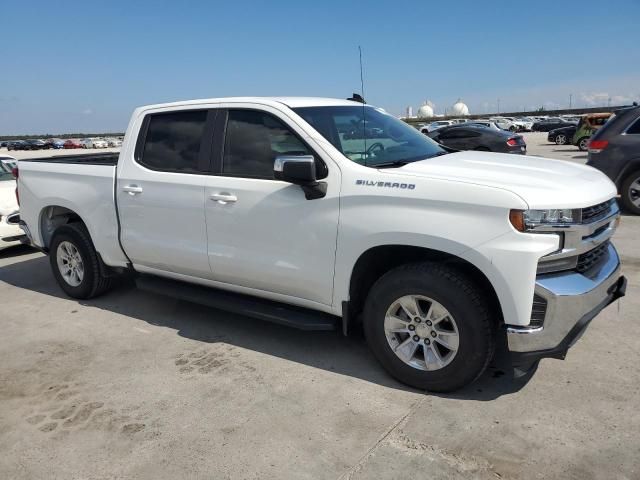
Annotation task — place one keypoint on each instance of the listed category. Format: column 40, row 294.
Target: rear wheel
column 583, row 144
column 75, row 262
column 630, row 193
column 429, row 327
column 561, row 139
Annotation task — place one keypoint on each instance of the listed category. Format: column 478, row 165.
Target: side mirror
column 296, row 169
column 300, row 170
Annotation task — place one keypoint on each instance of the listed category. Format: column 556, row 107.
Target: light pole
column 498, row 106
column 570, row 100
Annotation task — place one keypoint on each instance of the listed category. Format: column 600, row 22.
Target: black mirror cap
column 298, row 169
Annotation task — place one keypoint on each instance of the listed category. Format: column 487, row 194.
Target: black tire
column 627, row 193
column 455, row 292
column 93, row 282
column 583, row 144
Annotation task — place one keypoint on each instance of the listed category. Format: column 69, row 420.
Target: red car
column 72, row 144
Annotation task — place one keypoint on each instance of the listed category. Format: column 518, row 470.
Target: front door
column 264, row 234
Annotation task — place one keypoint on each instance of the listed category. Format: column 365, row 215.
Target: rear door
column 160, row 193
column 263, row 234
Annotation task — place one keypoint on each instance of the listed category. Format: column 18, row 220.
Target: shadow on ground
column 325, row 350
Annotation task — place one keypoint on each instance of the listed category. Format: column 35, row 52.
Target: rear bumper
column 573, row 300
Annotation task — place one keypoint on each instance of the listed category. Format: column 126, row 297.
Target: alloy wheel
column 421, row 332
column 70, row 263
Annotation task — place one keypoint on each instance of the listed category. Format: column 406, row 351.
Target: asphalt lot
column 135, row 385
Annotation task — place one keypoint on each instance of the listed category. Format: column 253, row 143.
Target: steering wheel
column 375, row 146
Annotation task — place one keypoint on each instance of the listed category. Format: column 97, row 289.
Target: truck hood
column 8, row 203
column 540, row 182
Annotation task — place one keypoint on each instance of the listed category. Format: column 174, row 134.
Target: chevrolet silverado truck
column 263, row 207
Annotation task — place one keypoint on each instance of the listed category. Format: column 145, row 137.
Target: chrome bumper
column 573, row 300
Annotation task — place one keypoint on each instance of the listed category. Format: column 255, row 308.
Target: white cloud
column 603, row 98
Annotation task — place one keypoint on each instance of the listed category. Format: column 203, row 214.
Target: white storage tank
column 459, row 109
column 425, row 111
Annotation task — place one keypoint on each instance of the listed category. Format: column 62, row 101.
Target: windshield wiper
column 396, row 163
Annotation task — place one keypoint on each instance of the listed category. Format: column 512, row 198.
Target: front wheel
column 429, row 326
column 583, row 144
column 630, row 193
column 75, row 262
column 561, row 139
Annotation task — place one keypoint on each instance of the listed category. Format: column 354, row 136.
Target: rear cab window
column 172, row 141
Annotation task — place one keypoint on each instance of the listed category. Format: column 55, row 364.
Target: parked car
column 549, row 124
column 115, row 142
column 436, row 125
column 587, row 126
column 439, row 254
column 3, row 143
column 10, row 232
column 476, row 137
column 54, row 143
column 86, row 143
column 34, row 145
column 615, row 150
column 72, row 143
column 8, row 161
column 16, row 145
column 524, row 123
column 562, row 135
column 504, row 123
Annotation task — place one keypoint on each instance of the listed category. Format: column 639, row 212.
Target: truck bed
column 110, row 159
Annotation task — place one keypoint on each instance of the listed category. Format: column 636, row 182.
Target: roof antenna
column 364, row 115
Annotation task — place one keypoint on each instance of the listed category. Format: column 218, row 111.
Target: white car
column 275, row 214
column 436, row 125
column 504, row 123
column 10, row 232
column 93, row 143
column 115, row 142
column 8, row 161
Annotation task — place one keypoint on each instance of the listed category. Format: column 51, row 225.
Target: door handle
column 223, row 198
column 132, row 189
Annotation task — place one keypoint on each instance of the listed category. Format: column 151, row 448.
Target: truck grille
column 596, row 212
column 593, row 257
column 538, row 311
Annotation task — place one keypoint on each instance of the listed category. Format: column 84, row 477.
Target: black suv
column 615, row 150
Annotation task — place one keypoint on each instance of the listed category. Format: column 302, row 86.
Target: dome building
column 425, row 111
column 460, row 109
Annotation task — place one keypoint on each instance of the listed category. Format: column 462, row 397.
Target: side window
column 634, row 128
column 253, row 140
column 173, row 140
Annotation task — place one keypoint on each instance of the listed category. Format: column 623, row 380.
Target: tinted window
column 173, row 141
column 253, row 141
column 635, row 128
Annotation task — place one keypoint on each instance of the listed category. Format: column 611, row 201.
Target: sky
column 83, row 66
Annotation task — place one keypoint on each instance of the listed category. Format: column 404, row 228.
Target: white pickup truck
column 262, row 206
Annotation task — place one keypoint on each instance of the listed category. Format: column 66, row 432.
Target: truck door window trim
column 204, row 154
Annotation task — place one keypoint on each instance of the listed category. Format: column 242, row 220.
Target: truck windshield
column 369, row 136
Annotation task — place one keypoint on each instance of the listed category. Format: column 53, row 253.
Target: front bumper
column 573, row 300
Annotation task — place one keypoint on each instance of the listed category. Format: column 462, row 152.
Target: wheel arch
column 378, row 260
column 630, row 167
column 53, row 217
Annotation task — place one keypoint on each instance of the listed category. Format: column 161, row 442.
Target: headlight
column 524, row 220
